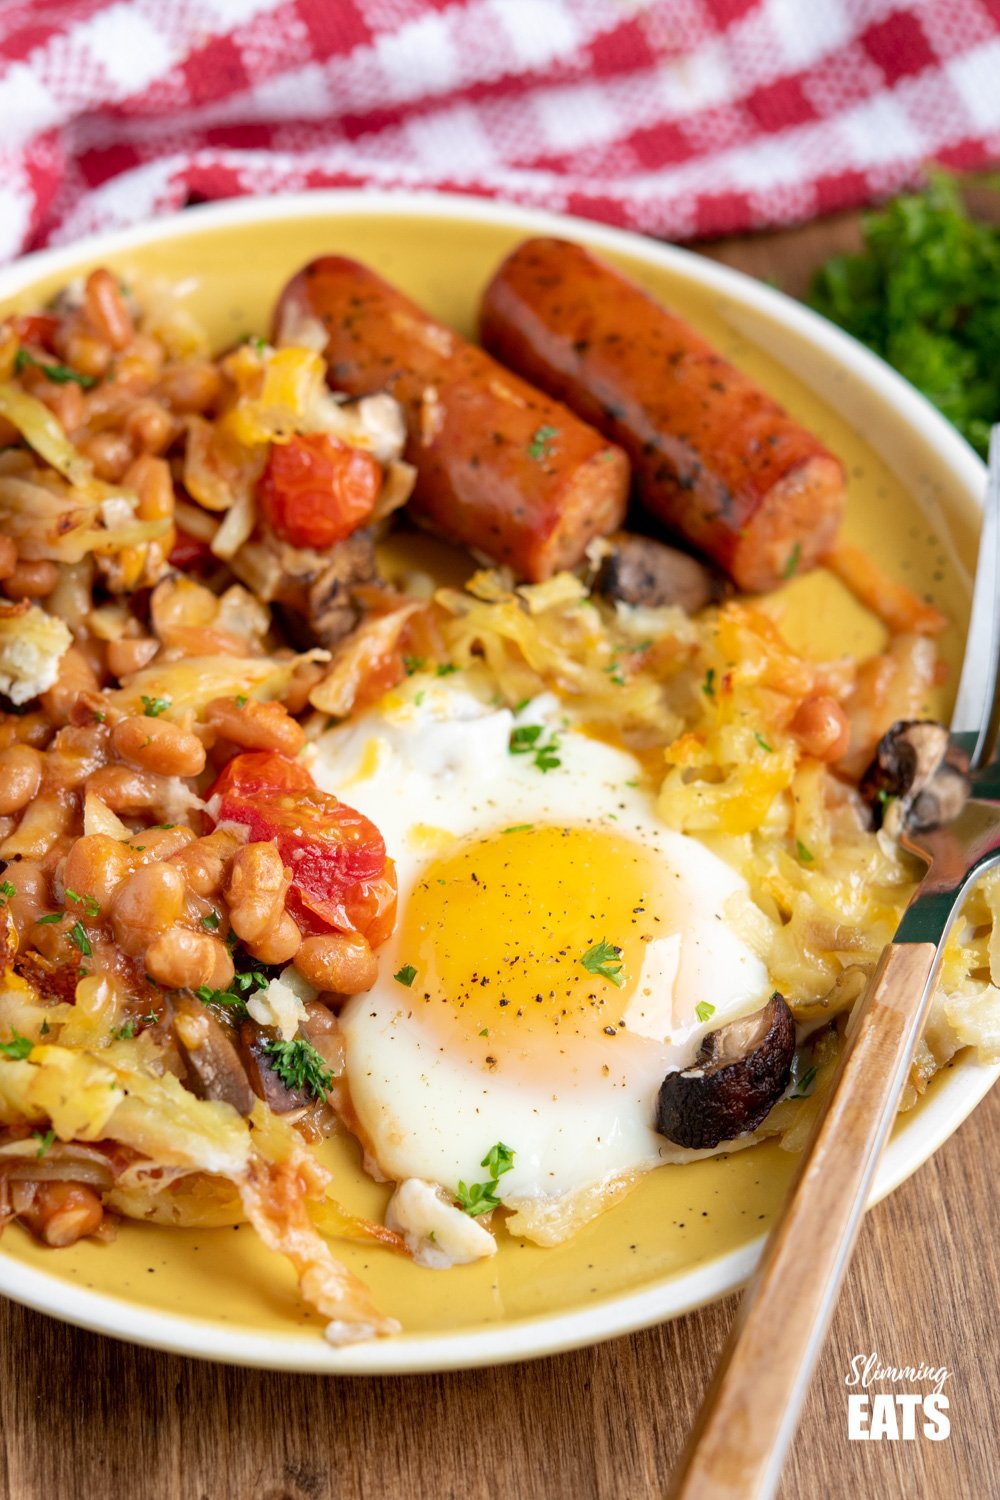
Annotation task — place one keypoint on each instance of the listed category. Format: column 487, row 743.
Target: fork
column 751, row 1409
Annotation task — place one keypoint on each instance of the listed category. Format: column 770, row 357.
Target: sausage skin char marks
column 714, row 457
column 501, row 468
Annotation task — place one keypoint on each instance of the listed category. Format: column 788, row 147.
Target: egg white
column 431, row 766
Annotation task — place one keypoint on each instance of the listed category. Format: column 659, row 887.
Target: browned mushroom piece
column 739, row 1074
column 331, row 610
column 214, row 1067
column 917, row 780
column 314, row 596
column 264, row 1079
column 639, row 570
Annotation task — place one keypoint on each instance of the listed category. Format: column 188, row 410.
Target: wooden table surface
column 86, row 1417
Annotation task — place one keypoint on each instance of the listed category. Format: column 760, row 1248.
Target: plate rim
column 543, row 1334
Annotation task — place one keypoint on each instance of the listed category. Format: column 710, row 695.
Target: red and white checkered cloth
column 681, row 118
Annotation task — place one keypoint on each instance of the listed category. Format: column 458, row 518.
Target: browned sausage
column 501, row 468
column 714, row 456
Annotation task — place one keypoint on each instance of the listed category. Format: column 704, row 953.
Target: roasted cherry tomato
column 340, row 875
column 316, row 490
column 35, row 328
column 256, row 771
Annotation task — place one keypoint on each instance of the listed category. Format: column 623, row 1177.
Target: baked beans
column 159, row 746
column 124, row 910
column 63, row 1212
column 339, row 963
column 20, row 777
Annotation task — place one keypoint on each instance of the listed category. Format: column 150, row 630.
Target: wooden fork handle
column 751, row 1409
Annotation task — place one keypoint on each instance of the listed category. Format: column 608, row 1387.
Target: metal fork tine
column 975, row 701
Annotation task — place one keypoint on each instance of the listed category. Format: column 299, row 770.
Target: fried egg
column 558, row 950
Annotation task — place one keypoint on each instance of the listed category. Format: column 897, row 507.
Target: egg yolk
column 534, row 929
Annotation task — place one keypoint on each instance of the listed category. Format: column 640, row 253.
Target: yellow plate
column 686, row 1234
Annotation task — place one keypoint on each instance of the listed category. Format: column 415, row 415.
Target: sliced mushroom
column 314, row 595
column 917, row 780
column 264, row 1080
column 639, row 570
column 332, row 612
column 214, row 1067
column 741, row 1071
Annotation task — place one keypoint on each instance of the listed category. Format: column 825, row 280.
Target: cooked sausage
column 501, row 468
column 641, row 570
column 714, row 457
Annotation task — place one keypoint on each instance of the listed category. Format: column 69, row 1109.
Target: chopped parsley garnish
column 78, row 937
column 241, row 700
column 704, row 1010
column 91, row 907
column 125, row 1032
column 406, row 975
column 481, row 1197
column 498, row 1160
column 520, row 828
column 413, row 664
column 792, row 565
column 45, row 1028
column 45, row 1139
column 211, row 921
column 605, row 960
column 153, row 707
column 58, row 374
column 540, row 446
column 7, row 890
column 477, row 1199
column 52, row 916
column 445, row 669
column 526, row 739
column 249, row 980
column 802, row 1089
column 257, row 343
column 233, row 998
column 300, row 1066
column 804, row 854
column 708, row 686
column 522, row 739
column 18, row 1047
column 762, row 742
column 924, row 293
column 150, row 1018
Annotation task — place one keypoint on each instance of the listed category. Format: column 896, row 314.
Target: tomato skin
column 369, row 908
column 35, row 328
column 316, row 490
column 341, row 877
column 256, row 771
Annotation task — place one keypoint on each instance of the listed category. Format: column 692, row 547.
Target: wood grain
column 86, row 1417
column 738, row 1441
